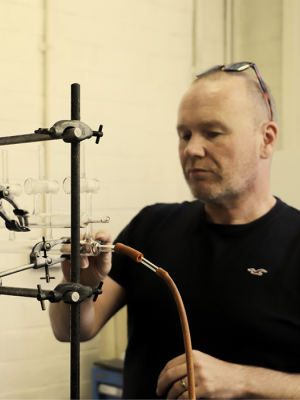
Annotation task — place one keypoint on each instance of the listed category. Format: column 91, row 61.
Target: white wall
column 267, row 33
column 133, row 60
column 257, row 37
column 286, row 162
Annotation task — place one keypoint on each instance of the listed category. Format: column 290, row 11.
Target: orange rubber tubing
column 128, row 251
column 185, row 330
column 137, row 256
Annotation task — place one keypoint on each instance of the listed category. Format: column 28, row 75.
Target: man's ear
column 269, row 136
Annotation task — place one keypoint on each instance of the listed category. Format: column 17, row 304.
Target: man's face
column 219, row 144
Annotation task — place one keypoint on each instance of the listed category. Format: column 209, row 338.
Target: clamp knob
column 41, row 297
column 98, row 291
column 98, row 134
column 48, row 260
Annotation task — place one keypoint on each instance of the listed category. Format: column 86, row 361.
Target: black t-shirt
column 236, row 313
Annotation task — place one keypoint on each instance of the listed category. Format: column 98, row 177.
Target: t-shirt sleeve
column 120, row 271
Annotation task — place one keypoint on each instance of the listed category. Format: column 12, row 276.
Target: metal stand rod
column 75, row 249
column 70, row 136
column 23, row 292
column 31, row 137
column 16, row 269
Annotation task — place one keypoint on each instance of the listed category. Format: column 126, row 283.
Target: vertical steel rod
column 75, row 249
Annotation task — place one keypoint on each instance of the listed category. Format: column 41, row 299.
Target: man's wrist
column 267, row 383
column 242, row 382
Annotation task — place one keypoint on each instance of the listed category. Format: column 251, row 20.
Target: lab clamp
column 71, row 248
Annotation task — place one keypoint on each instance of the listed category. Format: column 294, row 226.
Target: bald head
column 260, row 106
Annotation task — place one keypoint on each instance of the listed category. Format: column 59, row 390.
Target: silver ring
column 183, row 384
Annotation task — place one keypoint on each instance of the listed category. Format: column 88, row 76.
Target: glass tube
column 14, row 189
column 34, row 186
column 62, row 220
column 89, row 248
column 48, row 199
column 59, row 220
column 86, row 185
column 37, row 203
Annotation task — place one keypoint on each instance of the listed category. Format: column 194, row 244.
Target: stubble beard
column 212, row 194
column 220, row 190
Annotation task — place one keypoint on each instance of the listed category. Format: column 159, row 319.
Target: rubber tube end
column 128, row 251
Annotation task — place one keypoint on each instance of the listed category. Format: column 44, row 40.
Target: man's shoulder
column 164, row 216
column 284, row 219
column 288, row 210
column 165, row 209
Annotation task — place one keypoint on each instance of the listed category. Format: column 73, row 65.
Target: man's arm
column 218, row 379
column 93, row 315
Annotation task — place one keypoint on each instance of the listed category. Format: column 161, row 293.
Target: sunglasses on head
column 242, row 66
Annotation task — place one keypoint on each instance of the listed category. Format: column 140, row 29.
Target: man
column 234, row 256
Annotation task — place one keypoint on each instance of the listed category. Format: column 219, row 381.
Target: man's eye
column 213, row 134
column 185, row 136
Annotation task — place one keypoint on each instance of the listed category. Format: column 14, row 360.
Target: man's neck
column 239, row 211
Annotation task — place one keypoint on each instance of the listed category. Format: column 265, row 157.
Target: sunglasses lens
column 238, row 66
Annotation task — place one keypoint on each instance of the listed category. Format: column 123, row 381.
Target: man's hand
column 213, row 378
column 93, row 269
column 219, row 379
column 93, row 314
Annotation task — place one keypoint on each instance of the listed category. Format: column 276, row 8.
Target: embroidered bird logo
column 258, row 272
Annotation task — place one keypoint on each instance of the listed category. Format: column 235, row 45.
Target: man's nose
column 195, row 147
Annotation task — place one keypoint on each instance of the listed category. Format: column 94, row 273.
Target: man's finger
column 178, row 389
column 173, row 363
column 104, row 236
column 169, row 377
column 84, row 262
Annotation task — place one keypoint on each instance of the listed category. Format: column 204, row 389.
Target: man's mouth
column 198, row 171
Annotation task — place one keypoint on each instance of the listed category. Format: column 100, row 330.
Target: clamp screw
column 75, row 297
column 47, row 246
column 98, row 134
column 49, row 260
column 99, row 291
column 77, row 132
column 41, row 297
column 5, row 192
